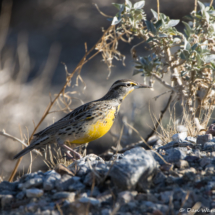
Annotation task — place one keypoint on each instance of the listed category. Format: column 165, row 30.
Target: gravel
column 137, row 181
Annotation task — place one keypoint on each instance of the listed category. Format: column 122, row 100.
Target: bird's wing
column 81, row 113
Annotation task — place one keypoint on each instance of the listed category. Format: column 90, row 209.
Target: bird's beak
column 141, row 86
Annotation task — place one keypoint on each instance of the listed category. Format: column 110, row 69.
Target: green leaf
column 128, row 3
column 153, row 29
column 135, row 72
column 139, row 5
column 194, row 46
column 183, row 73
column 188, row 17
column 158, row 24
column 212, row 12
column 201, row 5
column 150, row 26
column 207, row 16
column 173, row 22
column 188, row 29
column 155, row 14
column 162, row 35
column 198, row 59
column 143, row 61
column 213, row 65
column 115, row 21
column 184, row 55
column 176, row 40
column 187, row 46
column 209, row 58
column 150, row 39
column 118, row 6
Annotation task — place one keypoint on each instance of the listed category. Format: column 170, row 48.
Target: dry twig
column 62, row 91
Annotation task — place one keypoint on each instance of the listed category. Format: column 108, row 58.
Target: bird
column 86, row 123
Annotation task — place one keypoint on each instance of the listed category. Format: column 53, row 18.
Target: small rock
column 116, row 157
column 191, row 139
column 209, row 146
column 147, row 197
column 154, row 207
column 32, row 207
column 209, row 168
column 179, row 137
column 46, row 212
column 50, row 178
column 192, row 159
column 64, row 195
column 6, row 200
column 34, row 193
column 20, row 195
column 76, row 186
column 64, row 183
column 165, row 196
column 193, row 170
column 201, row 139
column 182, row 164
column 106, row 211
column 189, row 175
column 159, row 178
column 173, row 155
column 168, row 145
column 134, row 169
column 82, row 166
column 33, row 182
column 205, row 161
column 126, row 196
column 90, row 200
column 88, row 180
column 5, row 185
column 166, row 167
column 94, row 193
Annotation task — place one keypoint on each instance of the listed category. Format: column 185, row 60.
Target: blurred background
column 35, row 37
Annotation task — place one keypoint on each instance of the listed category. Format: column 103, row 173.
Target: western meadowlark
column 86, row 123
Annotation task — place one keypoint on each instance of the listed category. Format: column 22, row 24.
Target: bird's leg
column 75, row 155
column 85, row 149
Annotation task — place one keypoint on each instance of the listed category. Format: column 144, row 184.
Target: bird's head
column 121, row 88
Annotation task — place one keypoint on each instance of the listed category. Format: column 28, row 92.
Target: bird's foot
column 73, row 157
column 71, row 154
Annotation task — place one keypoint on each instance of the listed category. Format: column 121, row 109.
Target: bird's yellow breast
column 97, row 129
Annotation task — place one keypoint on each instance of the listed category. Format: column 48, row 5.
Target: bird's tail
column 24, row 151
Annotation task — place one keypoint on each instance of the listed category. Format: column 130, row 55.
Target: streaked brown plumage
column 87, row 122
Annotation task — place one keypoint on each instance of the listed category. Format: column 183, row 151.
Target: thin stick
column 195, row 9
column 158, row 9
column 211, row 3
column 103, row 14
column 3, row 133
column 161, row 117
column 79, row 66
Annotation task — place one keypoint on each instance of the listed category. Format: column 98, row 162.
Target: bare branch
column 161, row 116
column 158, row 9
column 3, row 133
column 163, row 82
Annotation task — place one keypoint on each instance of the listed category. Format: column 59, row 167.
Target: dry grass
column 165, row 131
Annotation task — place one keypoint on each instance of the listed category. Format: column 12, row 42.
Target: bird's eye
column 128, row 85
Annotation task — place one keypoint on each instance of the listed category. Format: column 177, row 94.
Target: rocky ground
column 137, row 181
